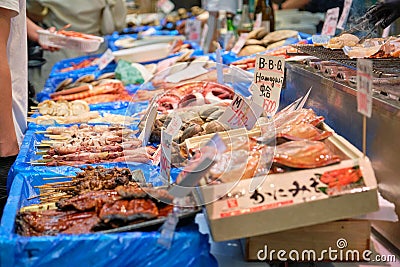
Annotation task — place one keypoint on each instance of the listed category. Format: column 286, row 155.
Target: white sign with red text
column 241, row 113
column 240, row 43
column 268, row 80
column 165, row 157
column 364, row 87
column 331, row 20
column 345, row 14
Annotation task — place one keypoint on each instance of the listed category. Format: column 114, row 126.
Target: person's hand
column 385, row 13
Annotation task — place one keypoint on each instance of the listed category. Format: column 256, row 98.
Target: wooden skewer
column 41, row 132
column 40, row 195
column 31, row 112
column 56, row 136
column 34, row 107
column 57, row 177
column 41, row 152
column 51, row 142
column 43, row 145
column 37, row 163
column 51, row 184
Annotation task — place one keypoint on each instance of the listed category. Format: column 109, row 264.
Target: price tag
column 364, row 87
column 241, row 113
column 240, row 43
column 173, row 128
column 105, row 59
column 174, row 125
column 166, row 6
column 258, row 21
column 345, row 14
column 151, row 118
column 203, row 35
column 386, row 31
column 165, row 159
column 331, row 19
column 193, row 30
column 220, row 73
column 268, row 78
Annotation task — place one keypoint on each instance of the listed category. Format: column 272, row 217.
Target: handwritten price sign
column 241, row 113
column 268, row 81
column 165, row 159
column 364, row 87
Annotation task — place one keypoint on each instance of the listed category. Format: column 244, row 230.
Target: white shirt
column 18, row 62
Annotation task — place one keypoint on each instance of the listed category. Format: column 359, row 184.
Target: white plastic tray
column 60, row 41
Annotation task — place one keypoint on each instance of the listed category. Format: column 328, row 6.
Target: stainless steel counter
column 338, row 104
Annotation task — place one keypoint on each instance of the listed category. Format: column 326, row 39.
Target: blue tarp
column 189, row 247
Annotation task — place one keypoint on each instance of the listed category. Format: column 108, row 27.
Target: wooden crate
column 356, row 234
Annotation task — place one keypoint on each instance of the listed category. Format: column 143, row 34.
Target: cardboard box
column 289, row 200
column 350, row 238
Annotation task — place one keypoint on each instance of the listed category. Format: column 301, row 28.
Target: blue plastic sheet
column 189, row 246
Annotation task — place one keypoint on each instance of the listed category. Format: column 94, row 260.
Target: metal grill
column 381, row 67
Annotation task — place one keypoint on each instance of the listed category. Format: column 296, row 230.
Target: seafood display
column 95, row 94
column 196, row 121
column 63, row 108
column 261, row 39
column 304, row 154
column 82, row 64
column 85, row 117
column 50, row 119
column 93, row 211
column 343, row 40
column 194, row 94
column 93, row 144
column 299, row 142
column 250, row 62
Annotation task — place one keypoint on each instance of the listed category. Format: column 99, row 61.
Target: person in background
column 84, row 16
column 13, row 91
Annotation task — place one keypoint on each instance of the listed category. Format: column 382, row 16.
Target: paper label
column 193, row 30
column 241, row 113
column 268, row 80
column 331, row 19
column 240, row 43
column 292, row 188
column 203, row 35
column 257, row 22
column 345, row 14
column 165, row 159
column 166, row 6
column 220, row 73
column 364, row 87
column 105, row 59
column 174, row 125
column 151, row 118
column 386, row 32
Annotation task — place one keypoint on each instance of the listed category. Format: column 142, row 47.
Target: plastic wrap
column 189, row 246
